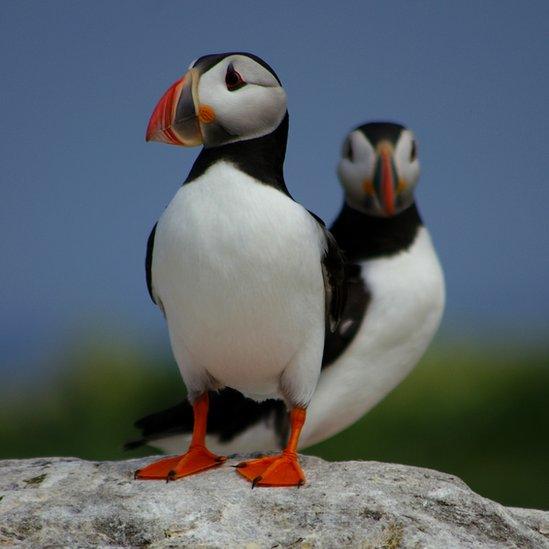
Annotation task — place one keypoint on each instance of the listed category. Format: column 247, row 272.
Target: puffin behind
column 247, row 279
column 395, row 301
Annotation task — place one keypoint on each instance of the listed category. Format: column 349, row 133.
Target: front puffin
column 246, row 278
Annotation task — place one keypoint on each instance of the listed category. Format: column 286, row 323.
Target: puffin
column 248, row 280
column 395, row 300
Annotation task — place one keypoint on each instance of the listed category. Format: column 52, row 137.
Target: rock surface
column 70, row 502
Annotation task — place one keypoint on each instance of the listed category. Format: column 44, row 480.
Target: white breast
column 407, row 300
column 237, row 267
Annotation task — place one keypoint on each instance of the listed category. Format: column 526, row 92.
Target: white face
column 379, row 180
column 245, row 98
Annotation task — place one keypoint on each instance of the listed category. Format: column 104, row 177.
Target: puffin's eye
column 348, row 150
column 413, row 151
column 233, row 80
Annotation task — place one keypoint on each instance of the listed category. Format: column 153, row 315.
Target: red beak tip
column 152, row 133
column 148, row 133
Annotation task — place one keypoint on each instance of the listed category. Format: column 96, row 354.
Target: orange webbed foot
column 279, row 470
column 196, row 460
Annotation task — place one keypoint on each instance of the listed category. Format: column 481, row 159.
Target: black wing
column 148, row 263
column 333, row 270
column 358, row 298
column 352, row 235
column 230, row 414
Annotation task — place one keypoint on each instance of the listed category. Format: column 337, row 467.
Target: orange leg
column 280, row 470
column 198, row 458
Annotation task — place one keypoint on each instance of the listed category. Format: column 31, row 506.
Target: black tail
column 230, row 414
column 133, row 444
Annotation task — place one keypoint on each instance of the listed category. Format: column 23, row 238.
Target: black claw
column 256, row 481
column 135, row 474
column 171, row 476
column 239, row 465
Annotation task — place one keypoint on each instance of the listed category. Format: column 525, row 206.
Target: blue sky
column 81, row 188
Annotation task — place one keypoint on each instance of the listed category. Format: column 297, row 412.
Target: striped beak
column 385, row 180
column 175, row 120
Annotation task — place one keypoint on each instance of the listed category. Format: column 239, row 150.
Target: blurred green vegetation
column 481, row 414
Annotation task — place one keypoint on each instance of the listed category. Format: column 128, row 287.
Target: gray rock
column 76, row 503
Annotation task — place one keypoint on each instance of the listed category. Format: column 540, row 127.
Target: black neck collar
column 261, row 158
column 362, row 236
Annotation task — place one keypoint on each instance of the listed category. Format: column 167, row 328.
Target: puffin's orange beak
column 385, row 181
column 174, row 119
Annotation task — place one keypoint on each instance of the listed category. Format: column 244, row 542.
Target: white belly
column 407, row 300
column 237, row 267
